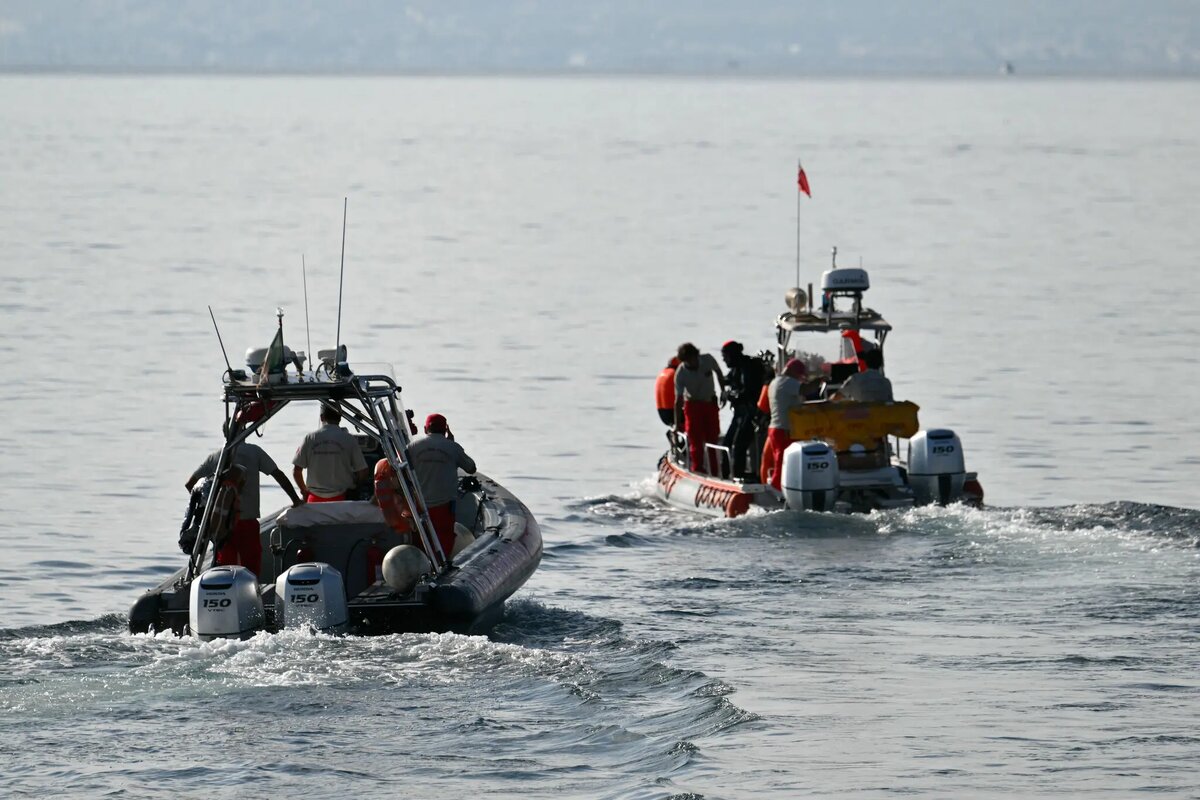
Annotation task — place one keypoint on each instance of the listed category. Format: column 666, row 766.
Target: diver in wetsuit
column 743, row 384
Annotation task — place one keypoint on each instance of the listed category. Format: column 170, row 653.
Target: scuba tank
column 190, row 529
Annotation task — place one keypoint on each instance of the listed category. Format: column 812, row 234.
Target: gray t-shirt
column 869, row 386
column 251, row 458
column 697, row 384
column 332, row 456
column 436, row 460
column 784, row 393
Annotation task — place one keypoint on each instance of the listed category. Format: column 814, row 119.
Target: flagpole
column 801, row 186
column 798, row 234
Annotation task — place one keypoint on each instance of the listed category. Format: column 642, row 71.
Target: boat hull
column 862, row 491
column 715, row 497
column 468, row 598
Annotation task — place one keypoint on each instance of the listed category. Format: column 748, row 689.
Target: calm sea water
column 527, row 254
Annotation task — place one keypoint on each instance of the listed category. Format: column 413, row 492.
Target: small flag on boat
column 273, row 361
column 802, row 180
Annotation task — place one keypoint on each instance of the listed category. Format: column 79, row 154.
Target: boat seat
column 343, row 512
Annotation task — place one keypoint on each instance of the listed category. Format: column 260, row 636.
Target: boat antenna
column 341, row 273
column 307, row 327
column 220, row 341
column 802, row 186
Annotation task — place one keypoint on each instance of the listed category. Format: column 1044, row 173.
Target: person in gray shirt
column 436, row 460
column 244, row 546
column 333, row 459
column 868, row 386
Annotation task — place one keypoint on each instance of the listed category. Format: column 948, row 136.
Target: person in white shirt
column 696, row 407
column 334, row 460
column 870, row 385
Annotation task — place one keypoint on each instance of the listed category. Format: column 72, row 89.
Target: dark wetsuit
column 743, row 385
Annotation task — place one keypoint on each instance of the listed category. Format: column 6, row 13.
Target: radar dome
column 403, row 566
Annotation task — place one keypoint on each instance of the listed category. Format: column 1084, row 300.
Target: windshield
column 820, row 351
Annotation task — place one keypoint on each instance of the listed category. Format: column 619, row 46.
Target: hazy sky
column 799, row 37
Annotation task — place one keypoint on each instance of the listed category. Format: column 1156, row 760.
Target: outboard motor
column 225, row 604
column 810, row 476
column 311, row 594
column 936, row 469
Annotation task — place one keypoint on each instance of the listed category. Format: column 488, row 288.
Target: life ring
column 390, row 500
column 226, row 505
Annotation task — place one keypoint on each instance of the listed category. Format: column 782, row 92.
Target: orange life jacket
column 389, row 498
column 664, row 388
column 764, row 398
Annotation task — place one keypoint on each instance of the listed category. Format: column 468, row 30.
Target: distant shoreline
column 726, row 74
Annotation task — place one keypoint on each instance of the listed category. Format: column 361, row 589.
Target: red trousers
column 242, row 547
column 312, row 498
column 703, row 421
column 771, row 470
column 442, row 518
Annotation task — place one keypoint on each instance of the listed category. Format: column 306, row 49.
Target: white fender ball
column 403, row 566
column 462, row 537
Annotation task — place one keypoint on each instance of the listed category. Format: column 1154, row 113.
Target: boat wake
column 583, row 704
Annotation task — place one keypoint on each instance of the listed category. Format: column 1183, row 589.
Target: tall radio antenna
column 220, row 341
column 341, row 273
column 307, row 327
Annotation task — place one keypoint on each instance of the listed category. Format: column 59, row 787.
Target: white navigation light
column 796, row 300
column 845, row 279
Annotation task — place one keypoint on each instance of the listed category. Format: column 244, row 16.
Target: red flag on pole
column 802, row 180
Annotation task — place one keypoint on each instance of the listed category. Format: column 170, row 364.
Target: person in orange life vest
column 696, row 404
column 785, row 392
column 333, row 459
column 664, row 392
column 436, row 459
column 244, row 546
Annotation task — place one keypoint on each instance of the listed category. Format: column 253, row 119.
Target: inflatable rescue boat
column 844, row 455
column 367, row 565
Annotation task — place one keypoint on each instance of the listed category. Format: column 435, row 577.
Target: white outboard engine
column 225, row 604
column 311, row 595
column 810, row 476
column 936, row 469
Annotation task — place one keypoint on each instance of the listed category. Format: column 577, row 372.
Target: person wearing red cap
column 333, row 459
column 436, row 459
column 696, row 404
column 785, row 393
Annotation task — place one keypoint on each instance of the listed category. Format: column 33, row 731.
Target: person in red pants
column 785, row 392
column 334, row 461
column 244, row 546
column 696, row 408
column 436, row 459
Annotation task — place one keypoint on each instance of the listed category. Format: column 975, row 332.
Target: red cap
column 795, row 367
column 435, row 423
